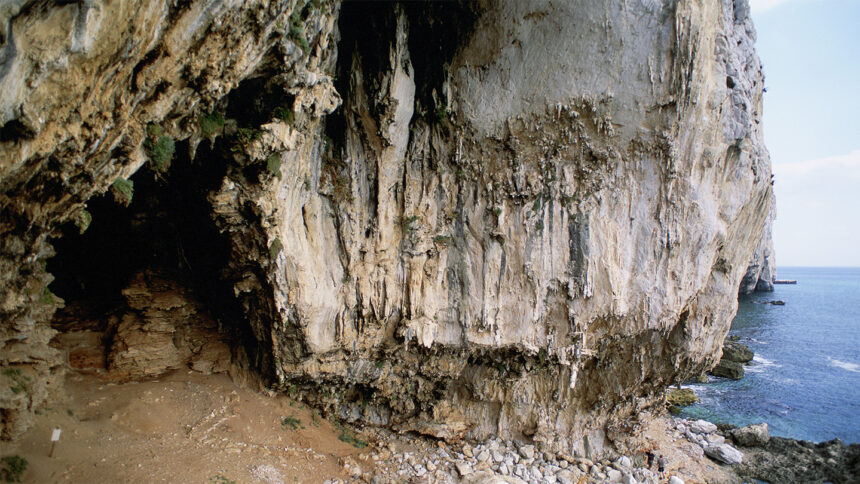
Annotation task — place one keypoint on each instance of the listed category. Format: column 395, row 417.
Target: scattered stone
column 724, row 453
column 675, row 480
column 702, row 427
column 715, row 439
column 527, row 451
column 614, row 475
column 571, row 476
column 463, row 468
column 754, row 435
column 490, row 478
column 624, row 462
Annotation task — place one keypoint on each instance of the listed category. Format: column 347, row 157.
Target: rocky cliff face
column 474, row 218
column 762, row 268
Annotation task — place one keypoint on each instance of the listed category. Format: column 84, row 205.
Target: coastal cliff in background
column 480, row 218
column 762, row 268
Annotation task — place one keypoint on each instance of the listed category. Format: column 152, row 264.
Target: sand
column 184, row 428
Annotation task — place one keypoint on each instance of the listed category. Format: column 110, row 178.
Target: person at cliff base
column 649, row 458
column 661, row 466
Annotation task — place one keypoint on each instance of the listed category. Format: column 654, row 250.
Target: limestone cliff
column 473, row 218
column 761, row 271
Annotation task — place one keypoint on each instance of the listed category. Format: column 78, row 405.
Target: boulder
column 737, row 352
column 724, row 453
column 755, row 435
column 485, row 477
column 675, row 480
column 569, row 476
column 623, row 462
column 728, row 369
column 681, row 397
column 702, row 427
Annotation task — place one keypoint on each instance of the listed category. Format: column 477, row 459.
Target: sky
column 810, row 50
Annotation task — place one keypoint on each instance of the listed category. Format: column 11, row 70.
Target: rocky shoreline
column 695, row 450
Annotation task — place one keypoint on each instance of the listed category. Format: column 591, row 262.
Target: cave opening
column 150, row 272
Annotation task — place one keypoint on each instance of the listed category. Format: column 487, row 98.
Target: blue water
column 805, row 379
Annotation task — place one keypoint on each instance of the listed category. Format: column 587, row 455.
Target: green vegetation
column 12, row 467
column 346, row 435
column 20, row 381
column 409, row 223
column 219, row 479
column 244, row 138
column 273, row 164
column 211, row 123
column 442, row 114
column 681, row 397
column 442, row 240
column 122, row 191
column 285, row 114
column 297, row 32
column 275, row 247
column 497, row 211
column 291, row 423
column 160, row 147
column 349, row 438
column 47, row 297
column 82, row 219
column 539, row 226
column 536, row 205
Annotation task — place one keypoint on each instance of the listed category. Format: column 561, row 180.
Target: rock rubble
column 498, row 461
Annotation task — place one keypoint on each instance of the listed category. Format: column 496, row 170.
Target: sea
column 805, row 378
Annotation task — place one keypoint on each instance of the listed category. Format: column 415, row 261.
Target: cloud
column 847, row 165
column 764, row 5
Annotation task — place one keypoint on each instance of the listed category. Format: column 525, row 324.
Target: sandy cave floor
column 185, row 428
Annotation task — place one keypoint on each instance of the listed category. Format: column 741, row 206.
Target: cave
column 147, row 272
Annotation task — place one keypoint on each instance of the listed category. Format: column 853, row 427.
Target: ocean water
column 805, row 378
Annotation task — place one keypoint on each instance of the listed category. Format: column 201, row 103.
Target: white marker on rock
column 55, row 437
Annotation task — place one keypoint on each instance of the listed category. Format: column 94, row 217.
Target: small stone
column 503, row 469
column 463, row 469
column 527, row 451
column 614, row 475
column 497, row 456
column 624, row 462
column 467, row 450
column 431, row 466
column 520, row 471
column 484, row 456
column 675, row 480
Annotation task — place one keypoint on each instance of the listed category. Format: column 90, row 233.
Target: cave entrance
column 142, row 285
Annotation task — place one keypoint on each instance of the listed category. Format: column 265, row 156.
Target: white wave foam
column 762, row 361
column 760, row 364
column 854, row 367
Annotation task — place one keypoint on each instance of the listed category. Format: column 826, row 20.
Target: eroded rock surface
column 521, row 219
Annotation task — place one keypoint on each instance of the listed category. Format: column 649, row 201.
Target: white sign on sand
column 56, row 435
